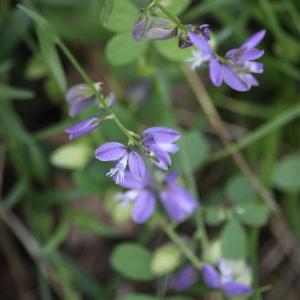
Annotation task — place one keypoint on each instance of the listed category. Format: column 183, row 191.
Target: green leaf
column 239, row 190
column 37, row 18
column 195, row 147
column 132, row 261
column 36, row 68
column 138, row 297
column 106, row 10
column 286, row 173
column 214, row 215
column 233, row 240
column 122, row 49
column 165, row 259
column 170, row 50
column 56, row 238
column 71, row 156
column 90, row 223
column 176, row 7
column 52, row 60
column 122, row 17
column 14, row 93
column 253, row 214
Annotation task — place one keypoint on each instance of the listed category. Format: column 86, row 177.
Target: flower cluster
column 236, row 68
column 130, row 170
column 223, row 277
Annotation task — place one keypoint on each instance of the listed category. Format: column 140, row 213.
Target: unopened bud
column 139, row 26
column 161, row 29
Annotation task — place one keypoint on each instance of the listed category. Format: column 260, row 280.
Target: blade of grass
column 274, row 124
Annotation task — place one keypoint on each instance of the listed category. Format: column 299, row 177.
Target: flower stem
column 88, row 80
column 171, row 233
column 173, row 18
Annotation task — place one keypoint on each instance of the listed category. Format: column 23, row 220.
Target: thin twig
column 217, row 123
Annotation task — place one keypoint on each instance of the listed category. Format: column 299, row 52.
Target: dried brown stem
column 217, row 123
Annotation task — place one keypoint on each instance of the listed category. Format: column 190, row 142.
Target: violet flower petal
column 139, row 29
column 210, row 276
column 201, row 43
column 143, row 207
column 79, row 98
column 110, row 151
column 254, row 67
column 233, row 80
column 162, row 159
column 136, row 165
column 236, row 289
column 162, row 134
column 178, row 202
column 171, row 177
column 215, row 72
column 255, row 39
column 131, row 182
column 183, row 280
column 83, row 127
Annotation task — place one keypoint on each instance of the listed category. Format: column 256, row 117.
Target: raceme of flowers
column 133, row 163
column 235, row 69
column 130, row 171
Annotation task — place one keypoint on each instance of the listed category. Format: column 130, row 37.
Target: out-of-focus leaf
column 14, row 93
column 176, row 7
column 106, row 10
column 253, row 214
column 240, row 190
column 52, row 60
column 122, row 49
column 214, row 215
column 138, row 297
column 15, row 194
column 90, row 223
column 286, row 173
column 71, row 156
column 195, row 147
column 56, row 238
column 234, row 240
column 170, row 50
column 40, row 20
column 122, row 17
column 165, row 259
column 132, row 261
column 36, row 68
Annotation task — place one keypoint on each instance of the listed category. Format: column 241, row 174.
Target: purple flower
column 159, row 142
column 236, row 68
column 114, row 151
column 184, row 279
column 177, row 201
column 160, row 29
column 223, row 279
column 139, row 26
column 143, row 193
column 80, row 97
column 83, row 127
column 202, row 30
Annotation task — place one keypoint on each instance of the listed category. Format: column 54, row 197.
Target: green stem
column 173, row 18
column 182, row 246
column 99, row 97
column 254, row 239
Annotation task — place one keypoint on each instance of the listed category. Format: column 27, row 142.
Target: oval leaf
column 122, row 49
column 132, row 261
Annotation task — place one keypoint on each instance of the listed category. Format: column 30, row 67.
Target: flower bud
column 140, row 26
column 161, row 29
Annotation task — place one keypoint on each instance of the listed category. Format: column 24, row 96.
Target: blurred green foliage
column 45, row 176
